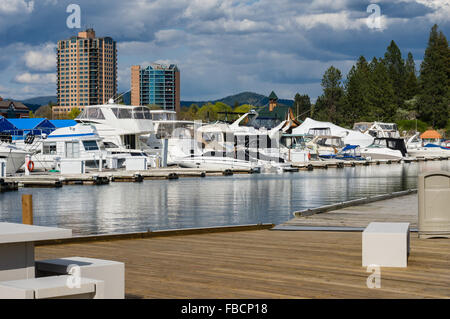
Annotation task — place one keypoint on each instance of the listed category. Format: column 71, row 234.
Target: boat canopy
column 349, row 147
column 349, row 136
column 430, row 134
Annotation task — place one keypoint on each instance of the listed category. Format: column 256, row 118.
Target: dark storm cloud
column 221, row 47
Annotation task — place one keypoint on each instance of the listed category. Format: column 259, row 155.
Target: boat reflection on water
column 210, row 201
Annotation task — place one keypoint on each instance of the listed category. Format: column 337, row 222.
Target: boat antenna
column 304, row 113
column 115, row 99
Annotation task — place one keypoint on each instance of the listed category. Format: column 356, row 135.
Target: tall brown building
column 87, row 71
column 156, row 84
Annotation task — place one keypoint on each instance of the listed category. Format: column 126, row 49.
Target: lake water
column 210, row 201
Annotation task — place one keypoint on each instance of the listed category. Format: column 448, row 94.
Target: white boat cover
column 349, row 136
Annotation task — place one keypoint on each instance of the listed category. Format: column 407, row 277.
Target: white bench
column 112, row 273
column 51, row 287
column 385, row 244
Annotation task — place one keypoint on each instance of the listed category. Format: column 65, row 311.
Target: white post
column 164, row 152
column 100, row 162
column 27, row 161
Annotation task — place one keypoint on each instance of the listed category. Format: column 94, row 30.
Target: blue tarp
column 63, row 123
column 349, row 147
column 32, row 124
column 19, row 128
column 6, row 125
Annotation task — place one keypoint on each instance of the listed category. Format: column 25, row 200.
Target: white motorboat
column 325, row 146
column 15, row 157
column 120, row 126
column 378, row 129
column 217, row 161
column 425, row 148
column 385, row 149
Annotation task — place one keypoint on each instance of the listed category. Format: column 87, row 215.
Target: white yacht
column 217, row 161
column 386, row 149
column 80, row 141
column 429, row 147
column 120, row 126
column 15, row 157
column 378, row 129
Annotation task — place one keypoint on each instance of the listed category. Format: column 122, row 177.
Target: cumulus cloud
column 42, row 58
column 16, row 6
column 221, row 46
column 36, row 78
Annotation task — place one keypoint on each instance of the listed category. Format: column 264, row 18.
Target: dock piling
column 27, row 209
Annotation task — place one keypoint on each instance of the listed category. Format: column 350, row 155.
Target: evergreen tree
column 397, row 72
column 326, row 107
column 434, row 81
column 355, row 103
column 381, row 102
column 411, row 84
column 302, row 106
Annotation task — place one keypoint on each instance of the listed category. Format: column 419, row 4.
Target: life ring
column 30, row 166
column 309, row 156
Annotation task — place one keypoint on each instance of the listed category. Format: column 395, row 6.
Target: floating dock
column 94, row 177
column 357, row 214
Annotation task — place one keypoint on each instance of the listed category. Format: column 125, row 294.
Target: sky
column 221, row 47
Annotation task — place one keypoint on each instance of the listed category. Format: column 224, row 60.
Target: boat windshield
column 110, row 145
column 175, row 130
column 164, row 116
column 293, row 142
column 141, row 113
column 122, row 113
column 92, row 113
column 316, row 131
column 90, row 145
column 330, row 142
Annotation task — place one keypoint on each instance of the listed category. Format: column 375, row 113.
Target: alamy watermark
column 374, row 20
column 74, row 19
column 374, row 279
column 74, row 279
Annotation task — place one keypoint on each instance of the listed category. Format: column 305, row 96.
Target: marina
column 186, row 202
column 153, row 159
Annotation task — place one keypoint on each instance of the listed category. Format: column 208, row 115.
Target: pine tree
column 302, row 106
column 354, row 105
column 411, row 84
column 397, row 72
column 434, row 81
column 381, row 102
column 326, row 107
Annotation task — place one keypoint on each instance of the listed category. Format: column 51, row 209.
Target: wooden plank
column 400, row 209
column 265, row 264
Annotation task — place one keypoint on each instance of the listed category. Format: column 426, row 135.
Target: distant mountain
column 40, row 100
column 241, row 98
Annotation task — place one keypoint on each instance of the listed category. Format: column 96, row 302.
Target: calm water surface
column 210, row 201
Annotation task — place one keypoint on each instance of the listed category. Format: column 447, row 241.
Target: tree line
column 388, row 89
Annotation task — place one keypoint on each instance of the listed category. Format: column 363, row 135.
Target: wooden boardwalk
column 399, row 209
column 265, row 264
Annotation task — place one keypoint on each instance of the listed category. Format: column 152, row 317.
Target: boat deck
column 264, row 264
column 400, row 209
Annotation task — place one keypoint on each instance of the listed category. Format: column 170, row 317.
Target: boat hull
column 213, row 163
column 14, row 161
column 383, row 154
